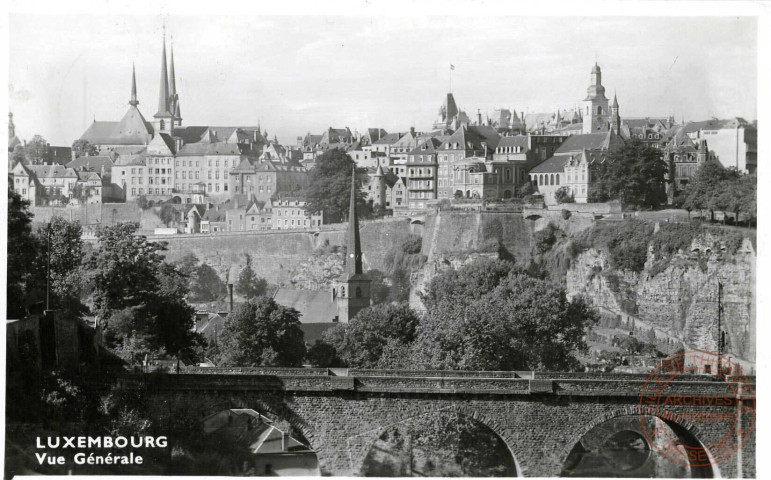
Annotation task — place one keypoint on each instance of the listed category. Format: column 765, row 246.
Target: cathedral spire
column 133, row 102
column 353, row 242
column 173, row 85
column 163, row 94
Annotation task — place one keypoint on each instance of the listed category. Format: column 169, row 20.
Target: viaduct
column 540, row 417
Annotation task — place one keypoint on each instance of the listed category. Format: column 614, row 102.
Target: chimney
column 230, row 298
column 479, row 117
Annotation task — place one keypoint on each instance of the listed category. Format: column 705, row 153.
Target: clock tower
column 595, row 105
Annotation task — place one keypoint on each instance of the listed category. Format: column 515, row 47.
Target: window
column 599, row 110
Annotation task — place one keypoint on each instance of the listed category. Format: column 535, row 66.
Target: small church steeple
column 352, row 292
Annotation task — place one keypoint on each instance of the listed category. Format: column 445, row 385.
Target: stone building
column 596, row 115
column 289, row 213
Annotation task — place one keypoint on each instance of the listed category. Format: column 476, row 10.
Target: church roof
column 315, row 306
column 132, row 129
column 589, row 141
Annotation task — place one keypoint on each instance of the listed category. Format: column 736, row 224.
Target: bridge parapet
column 320, row 381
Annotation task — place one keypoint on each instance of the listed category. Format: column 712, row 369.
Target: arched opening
column 358, row 292
column 458, row 194
column 447, row 444
column 623, row 447
column 242, row 442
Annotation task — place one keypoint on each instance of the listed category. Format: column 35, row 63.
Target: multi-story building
column 58, row 185
column 421, row 173
column 265, row 179
column 734, row 141
column 467, row 141
column 289, row 213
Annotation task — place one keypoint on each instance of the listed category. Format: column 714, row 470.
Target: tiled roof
column 315, row 306
column 589, row 141
column 552, row 165
column 132, row 129
column 219, row 148
column 95, row 163
column 51, row 171
column 388, row 139
column 514, row 141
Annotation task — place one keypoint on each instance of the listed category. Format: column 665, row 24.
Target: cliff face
column 680, row 299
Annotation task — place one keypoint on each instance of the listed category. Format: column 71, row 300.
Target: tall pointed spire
column 174, row 97
column 353, row 242
column 163, row 95
column 133, row 102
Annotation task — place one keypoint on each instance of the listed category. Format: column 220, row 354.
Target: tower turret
column 596, row 114
column 615, row 118
column 173, row 97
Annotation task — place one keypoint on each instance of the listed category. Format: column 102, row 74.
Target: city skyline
column 309, row 73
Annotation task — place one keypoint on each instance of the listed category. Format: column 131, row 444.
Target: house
column 734, row 141
column 566, row 170
column 214, row 220
column 289, row 213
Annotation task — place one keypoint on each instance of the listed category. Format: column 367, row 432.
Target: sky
column 299, row 74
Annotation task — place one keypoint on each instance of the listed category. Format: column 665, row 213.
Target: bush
column 566, row 214
column 563, row 195
column 412, row 244
column 545, row 239
column 576, row 247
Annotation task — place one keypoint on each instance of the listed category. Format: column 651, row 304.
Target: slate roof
column 193, row 133
column 554, row 164
column 388, row 139
column 95, row 163
column 51, row 171
column 316, row 306
column 589, row 141
column 467, row 138
column 514, row 141
column 132, row 129
column 219, row 148
column 426, row 146
column 130, row 159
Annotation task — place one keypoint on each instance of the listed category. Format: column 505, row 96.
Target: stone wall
column 539, row 427
column 681, row 299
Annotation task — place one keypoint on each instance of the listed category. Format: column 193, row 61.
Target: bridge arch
column 633, row 412
column 493, row 426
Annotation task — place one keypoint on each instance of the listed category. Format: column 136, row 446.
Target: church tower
column 595, row 105
column 351, row 293
column 164, row 118
column 615, row 120
column 133, row 101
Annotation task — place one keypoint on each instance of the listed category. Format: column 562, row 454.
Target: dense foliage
column 83, row 148
column 717, row 188
column 361, row 342
column 329, row 186
column 140, row 297
column 204, row 282
column 249, row 284
column 563, row 195
column 488, row 315
column 260, row 332
column 634, row 173
column 22, row 249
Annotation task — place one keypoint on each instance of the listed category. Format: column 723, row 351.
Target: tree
column 563, row 195
column 634, row 173
column 324, row 355
column 168, row 214
column 249, row 284
column 22, row 249
column 527, row 189
column 360, row 343
column 143, row 203
column 206, row 285
column 329, row 186
column 704, row 187
column 37, row 151
column 140, row 296
column 504, row 320
column 83, row 148
column 19, row 155
column 261, row 332
column 58, row 265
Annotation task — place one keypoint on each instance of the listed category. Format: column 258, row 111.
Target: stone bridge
column 542, row 418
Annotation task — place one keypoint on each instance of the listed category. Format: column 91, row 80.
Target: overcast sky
column 300, row 74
